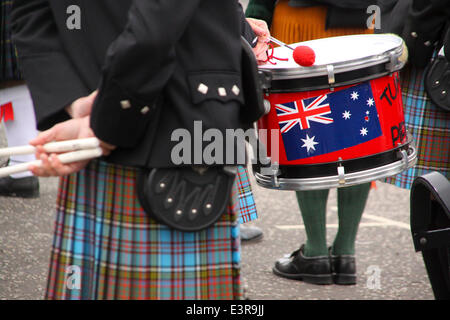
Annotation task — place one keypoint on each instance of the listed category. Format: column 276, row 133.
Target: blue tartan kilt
column 430, row 127
column 106, row 247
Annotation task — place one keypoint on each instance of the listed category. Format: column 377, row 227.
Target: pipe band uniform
column 130, row 73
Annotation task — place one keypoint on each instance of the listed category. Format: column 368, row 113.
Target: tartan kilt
column 430, row 127
column 247, row 206
column 106, row 247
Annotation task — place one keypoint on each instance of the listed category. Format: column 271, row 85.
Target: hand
column 262, row 32
column 72, row 129
column 82, row 107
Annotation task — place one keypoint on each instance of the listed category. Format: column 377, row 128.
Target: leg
column 351, row 203
column 311, row 262
column 313, row 206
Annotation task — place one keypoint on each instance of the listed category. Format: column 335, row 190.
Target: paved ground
column 384, row 247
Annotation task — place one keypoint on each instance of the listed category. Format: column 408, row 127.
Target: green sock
column 351, row 202
column 313, row 208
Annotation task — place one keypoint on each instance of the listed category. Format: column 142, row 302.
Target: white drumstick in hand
column 53, row 147
column 64, row 158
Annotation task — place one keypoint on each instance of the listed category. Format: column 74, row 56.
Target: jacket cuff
column 118, row 117
column 52, row 89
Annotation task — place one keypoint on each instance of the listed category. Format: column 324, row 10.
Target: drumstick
column 64, row 158
column 280, row 43
column 53, row 147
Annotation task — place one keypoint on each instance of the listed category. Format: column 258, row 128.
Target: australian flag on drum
column 329, row 122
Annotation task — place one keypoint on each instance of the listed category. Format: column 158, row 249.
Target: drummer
column 153, row 48
column 294, row 21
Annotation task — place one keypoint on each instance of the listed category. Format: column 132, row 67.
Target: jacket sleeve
column 261, row 9
column 424, row 29
column 51, row 77
column 246, row 29
column 138, row 65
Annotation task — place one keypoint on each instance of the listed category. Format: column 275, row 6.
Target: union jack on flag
column 301, row 113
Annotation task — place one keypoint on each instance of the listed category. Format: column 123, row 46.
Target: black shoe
column 27, row 187
column 343, row 268
column 316, row 270
column 250, row 234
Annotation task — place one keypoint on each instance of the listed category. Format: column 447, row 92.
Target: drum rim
column 337, row 181
column 407, row 150
column 389, row 57
column 306, row 84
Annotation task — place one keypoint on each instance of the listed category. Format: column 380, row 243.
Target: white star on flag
column 354, row 95
column 309, row 143
column 346, row 115
column 370, row 102
column 364, row 131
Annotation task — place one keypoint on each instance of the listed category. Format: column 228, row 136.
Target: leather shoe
column 343, row 268
column 27, row 187
column 248, row 234
column 315, row 270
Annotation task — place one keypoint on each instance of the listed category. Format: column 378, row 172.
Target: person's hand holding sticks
column 262, row 32
column 51, row 165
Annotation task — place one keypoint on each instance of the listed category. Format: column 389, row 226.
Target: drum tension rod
column 341, row 172
column 404, row 159
column 331, row 78
column 275, row 173
column 393, row 62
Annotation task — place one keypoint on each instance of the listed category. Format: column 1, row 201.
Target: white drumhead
column 345, row 53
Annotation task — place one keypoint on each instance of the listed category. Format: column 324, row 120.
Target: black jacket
column 423, row 24
column 158, row 54
column 425, row 29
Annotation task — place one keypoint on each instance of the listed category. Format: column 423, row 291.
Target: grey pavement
column 384, row 247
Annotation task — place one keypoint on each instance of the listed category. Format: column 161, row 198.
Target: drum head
column 339, row 61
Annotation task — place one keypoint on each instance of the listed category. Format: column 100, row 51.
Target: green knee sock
column 313, row 208
column 351, row 202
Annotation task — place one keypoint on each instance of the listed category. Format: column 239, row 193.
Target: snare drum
column 339, row 122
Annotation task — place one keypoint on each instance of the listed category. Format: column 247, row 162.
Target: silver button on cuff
column 125, row 104
column 202, row 88
column 222, row 92
column 145, row 110
column 235, row 90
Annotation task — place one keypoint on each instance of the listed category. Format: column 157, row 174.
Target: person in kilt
column 177, row 57
column 425, row 28
column 294, row 21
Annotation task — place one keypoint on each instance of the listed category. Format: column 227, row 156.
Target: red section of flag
column 6, row 112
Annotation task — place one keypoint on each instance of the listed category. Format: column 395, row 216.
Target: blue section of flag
column 324, row 124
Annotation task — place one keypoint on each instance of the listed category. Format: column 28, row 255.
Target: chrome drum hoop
column 342, row 179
